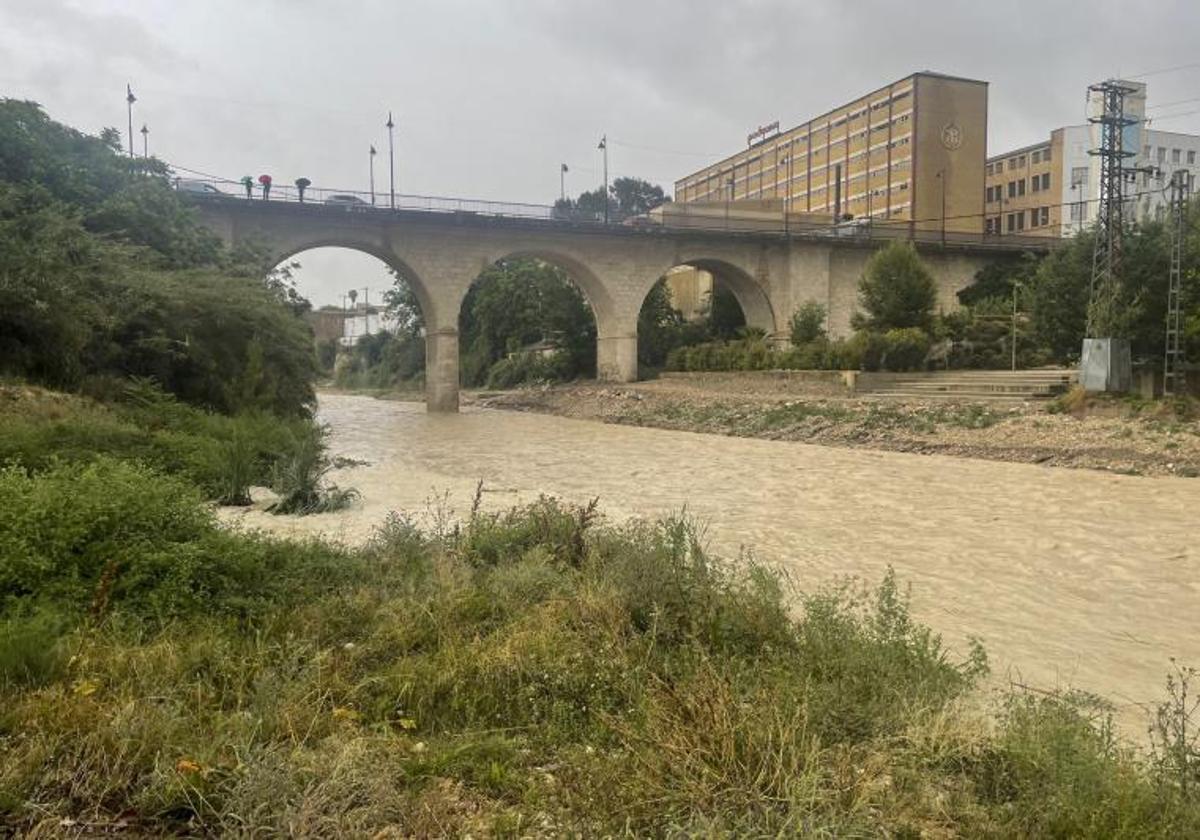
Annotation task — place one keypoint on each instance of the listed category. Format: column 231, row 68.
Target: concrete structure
column 441, row 254
column 1051, row 188
column 912, row 151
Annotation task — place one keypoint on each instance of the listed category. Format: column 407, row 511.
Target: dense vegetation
column 899, row 327
column 533, row 672
column 104, row 275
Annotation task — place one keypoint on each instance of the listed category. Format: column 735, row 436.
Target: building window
column 1045, row 155
column 1078, row 176
column 1035, row 157
column 1021, row 187
column 1035, row 183
column 1012, row 189
column 1162, row 155
column 1175, row 155
column 1012, row 222
column 1146, row 152
column 1045, row 216
column 1045, row 180
column 1020, row 221
column 1033, row 217
column 1191, row 157
column 1077, row 211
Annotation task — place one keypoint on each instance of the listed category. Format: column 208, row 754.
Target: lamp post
column 391, row 158
column 372, row 168
column 129, row 100
column 1016, row 287
column 562, row 182
column 603, row 147
column 942, row 178
column 145, row 142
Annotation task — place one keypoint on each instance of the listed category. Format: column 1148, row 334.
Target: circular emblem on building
column 951, row 136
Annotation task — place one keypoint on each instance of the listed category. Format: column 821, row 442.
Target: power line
column 1164, row 70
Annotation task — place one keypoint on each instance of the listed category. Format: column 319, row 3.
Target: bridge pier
column 441, row 370
column 616, row 357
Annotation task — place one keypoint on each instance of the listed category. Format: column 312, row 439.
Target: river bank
column 1069, row 577
column 1115, row 436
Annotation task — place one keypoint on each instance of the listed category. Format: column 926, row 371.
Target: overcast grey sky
column 492, row 95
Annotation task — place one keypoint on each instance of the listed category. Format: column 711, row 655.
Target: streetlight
column 1016, row 287
column 942, row 178
column 129, row 100
column 145, row 142
column 372, row 174
column 604, row 148
column 562, row 182
column 391, row 158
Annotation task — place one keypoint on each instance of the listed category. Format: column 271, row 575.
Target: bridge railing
column 359, row 202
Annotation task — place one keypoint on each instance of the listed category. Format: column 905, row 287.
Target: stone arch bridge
column 769, row 272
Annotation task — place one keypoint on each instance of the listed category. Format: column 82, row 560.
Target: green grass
column 534, row 672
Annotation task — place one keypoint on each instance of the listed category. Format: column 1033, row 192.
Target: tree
column 808, row 323
column 626, row 197
column 634, row 196
column 896, row 290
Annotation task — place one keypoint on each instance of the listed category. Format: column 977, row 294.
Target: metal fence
column 353, row 201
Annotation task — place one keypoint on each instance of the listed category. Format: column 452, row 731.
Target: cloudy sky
column 490, row 96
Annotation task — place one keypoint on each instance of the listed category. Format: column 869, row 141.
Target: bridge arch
column 750, row 294
column 557, row 297
column 280, row 255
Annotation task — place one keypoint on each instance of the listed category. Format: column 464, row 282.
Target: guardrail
column 355, row 201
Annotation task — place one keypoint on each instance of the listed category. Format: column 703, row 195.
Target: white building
column 1053, row 187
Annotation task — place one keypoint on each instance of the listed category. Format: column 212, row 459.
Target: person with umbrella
column 248, row 183
column 265, row 180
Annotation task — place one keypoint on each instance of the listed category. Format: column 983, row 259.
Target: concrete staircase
column 990, row 386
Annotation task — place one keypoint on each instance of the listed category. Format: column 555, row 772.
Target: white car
column 196, row 187
column 350, row 202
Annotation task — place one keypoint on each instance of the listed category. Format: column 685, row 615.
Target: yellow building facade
column 1023, row 189
column 910, row 152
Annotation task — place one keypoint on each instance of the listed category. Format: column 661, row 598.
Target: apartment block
column 910, row 152
column 1053, row 187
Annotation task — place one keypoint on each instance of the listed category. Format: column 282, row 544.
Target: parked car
column 196, row 187
column 350, row 202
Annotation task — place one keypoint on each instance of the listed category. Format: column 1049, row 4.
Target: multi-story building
column 1052, row 187
column 912, row 152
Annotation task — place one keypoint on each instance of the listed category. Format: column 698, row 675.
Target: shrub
column 905, row 349
column 299, row 479
column 808, row 323
column 109, row 536
column 527, row 368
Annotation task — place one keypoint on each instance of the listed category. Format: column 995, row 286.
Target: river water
column 1069, row 577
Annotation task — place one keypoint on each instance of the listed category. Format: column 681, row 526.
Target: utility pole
column 129, row 100
column 1173, row 358
column 145, row 142
column 562, row 182
column 372, row 157
column 391, row 158
column 604, row 148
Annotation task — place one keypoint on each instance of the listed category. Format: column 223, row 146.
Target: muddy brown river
column 1069, row 577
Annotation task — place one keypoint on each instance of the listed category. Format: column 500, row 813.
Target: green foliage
column 104, row 273
column 108, row 536
column 896, row 290
column 516, row 303
column 626, row 197
column 300, row 478
column 527, row 368
column 526, row 668
column 217, row 453
column 808, row 323
column 32, row 647
column 904, row 349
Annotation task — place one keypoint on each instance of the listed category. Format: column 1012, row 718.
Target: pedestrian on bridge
column 265, row 180
column 248, row 183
